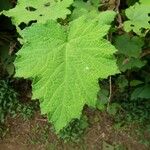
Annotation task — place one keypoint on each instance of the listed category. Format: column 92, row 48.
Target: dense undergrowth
column 71, row 46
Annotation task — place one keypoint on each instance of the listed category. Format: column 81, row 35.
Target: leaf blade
column 65, row 75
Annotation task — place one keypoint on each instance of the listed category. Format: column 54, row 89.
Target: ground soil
column 35, row 134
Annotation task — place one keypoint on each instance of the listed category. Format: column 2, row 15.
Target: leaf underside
column 65, row 65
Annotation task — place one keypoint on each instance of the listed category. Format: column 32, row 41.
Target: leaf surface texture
column 65, row 64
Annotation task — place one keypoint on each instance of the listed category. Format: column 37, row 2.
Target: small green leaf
column 113, row 108
column 141, row 92
column 135, row 82
column 82, row 8
column 102, row 99
column 129, row 46
column 129, row 63
column 122, row 82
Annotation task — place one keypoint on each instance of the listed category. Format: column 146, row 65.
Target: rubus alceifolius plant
column 63, row 61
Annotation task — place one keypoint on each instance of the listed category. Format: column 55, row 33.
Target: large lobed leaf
column 38, row 10
column 65, row 64
column 82, row 8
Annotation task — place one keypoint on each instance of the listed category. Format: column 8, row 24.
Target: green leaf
column 129, row 63
column 141, row 92
column 113, row 108
column 136, row 82
column 65, row 65
column 96, row 3
column 91, row 12
column 103, row 99
column 138, row 16
column 122, row 82
column 38, row 10
column 83, row 8
column 129, row 46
